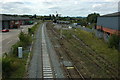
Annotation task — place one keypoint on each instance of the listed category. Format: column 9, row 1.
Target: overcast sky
column 63, row 7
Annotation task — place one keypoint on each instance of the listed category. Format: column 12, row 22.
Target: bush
column 25, row 39
column 114, row 41
column 7, row 67
column 15, row 48
column 32, row 29
column 13, row 67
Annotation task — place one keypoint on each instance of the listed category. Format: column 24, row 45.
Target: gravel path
column 35, row 69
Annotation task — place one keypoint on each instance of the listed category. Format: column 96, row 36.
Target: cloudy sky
column 63, row 7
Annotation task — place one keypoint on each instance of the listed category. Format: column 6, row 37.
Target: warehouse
column 63, row 22
column 10, row 22
column 109, row 24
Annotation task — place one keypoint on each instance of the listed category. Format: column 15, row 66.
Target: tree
column 83, row 22
column 92, row 18
column 34, row 16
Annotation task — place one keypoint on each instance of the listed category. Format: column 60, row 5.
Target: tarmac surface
column 7, row 39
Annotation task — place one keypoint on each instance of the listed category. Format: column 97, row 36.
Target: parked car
column 5, row 30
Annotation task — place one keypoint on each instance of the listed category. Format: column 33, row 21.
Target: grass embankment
column 89, row 59
column 98, row 45
column 92, row 56
column 91, row 25
column 12, row 66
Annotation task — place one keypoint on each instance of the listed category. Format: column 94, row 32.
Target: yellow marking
column 70, row 67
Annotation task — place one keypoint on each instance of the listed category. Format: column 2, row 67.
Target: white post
column 20, row 53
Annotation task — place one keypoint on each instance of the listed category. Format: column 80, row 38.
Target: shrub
column 114, row 41
column 25, row 39
column 15, row 48
column 7, row 67
column 32, row 29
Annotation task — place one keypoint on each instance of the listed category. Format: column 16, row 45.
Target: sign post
column 20, row 53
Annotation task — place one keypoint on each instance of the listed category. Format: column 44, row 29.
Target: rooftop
column 5, row 17
column 112, row 15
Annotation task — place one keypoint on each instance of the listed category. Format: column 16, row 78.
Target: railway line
column 71, row 71
column 47, row 67
column 66, row 51
column 98, row 59
column 89, row 57
column 109, row 70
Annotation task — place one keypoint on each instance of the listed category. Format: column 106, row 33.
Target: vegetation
column 12, row 66
column 114, row 41
column 98, row 45
column 7, row 67
column 91, row 25
column 15, row 48
column 92, row 18
column 96, row 58
column 25, row 40
column 32, row 29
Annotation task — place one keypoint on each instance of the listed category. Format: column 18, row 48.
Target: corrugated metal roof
column 4, row 17
column 112, row 15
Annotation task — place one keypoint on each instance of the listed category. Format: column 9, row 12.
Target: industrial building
column 109, row 24
column 63, row 22
column 10, row 22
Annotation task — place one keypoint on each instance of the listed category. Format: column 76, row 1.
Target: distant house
column 109, row 24
column 11, row 22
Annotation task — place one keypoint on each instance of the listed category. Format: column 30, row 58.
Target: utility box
column 20, row 52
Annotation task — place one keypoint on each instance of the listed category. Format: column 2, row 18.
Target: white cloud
column 65, row 7
column 97, row 5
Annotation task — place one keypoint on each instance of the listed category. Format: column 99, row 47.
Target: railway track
column 56, row 34
column 89, row 56
column 99, row 59
column 47, row 67
column 71, row 71
column 109, row 70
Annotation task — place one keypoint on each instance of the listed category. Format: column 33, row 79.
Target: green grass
column 20, row 63
column 98, row 45
column 17, row 66
column 90, row 25
column 33, row 29
column 14, row 67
